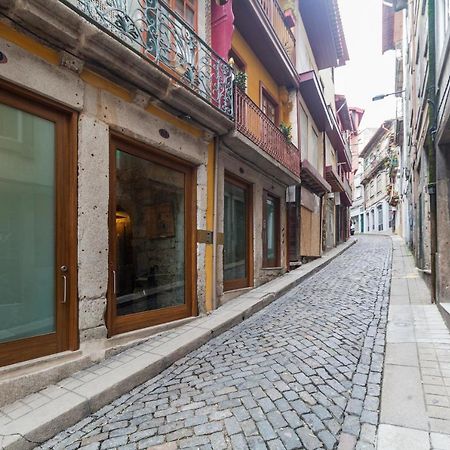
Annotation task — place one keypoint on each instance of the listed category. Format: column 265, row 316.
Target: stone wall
column 104, row 108
column 259, row 182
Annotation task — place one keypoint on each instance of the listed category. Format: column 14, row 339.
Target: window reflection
column 150, row 235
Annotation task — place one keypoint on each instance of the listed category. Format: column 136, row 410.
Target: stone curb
column 85, row 392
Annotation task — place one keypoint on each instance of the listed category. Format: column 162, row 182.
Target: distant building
column 377, row 156
column 357, row 212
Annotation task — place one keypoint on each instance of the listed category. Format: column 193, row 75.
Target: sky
column 368, row 73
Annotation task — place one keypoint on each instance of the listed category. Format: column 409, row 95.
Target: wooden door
column 152, row 245
column 38, row 274
column 238, row 235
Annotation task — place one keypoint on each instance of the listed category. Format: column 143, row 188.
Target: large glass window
column 236, row 235
column 27, row 225
column 150, row 235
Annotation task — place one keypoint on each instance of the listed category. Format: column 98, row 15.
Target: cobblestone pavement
column 305, row 372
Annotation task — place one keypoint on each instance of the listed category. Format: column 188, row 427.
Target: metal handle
column 114, row 281
column 64, row 288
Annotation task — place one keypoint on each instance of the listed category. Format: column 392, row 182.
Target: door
column 271, row 230
column 37, row 227
column 152, row 245
column 237, row 249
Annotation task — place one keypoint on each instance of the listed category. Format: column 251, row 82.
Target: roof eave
column 323, row 26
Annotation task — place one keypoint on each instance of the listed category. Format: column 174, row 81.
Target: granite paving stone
column 303, row 373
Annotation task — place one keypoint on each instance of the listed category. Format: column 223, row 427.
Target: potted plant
column 286, row 130
column 240, row 80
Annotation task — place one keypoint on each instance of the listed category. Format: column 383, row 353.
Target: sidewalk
column 415, row 398
column 40, row 416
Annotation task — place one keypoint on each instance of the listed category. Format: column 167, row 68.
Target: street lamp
column 381, row 96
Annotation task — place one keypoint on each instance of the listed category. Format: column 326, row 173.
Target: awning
column 313, row 180
column 312, row 95
column 323, row 26
column 334, row 179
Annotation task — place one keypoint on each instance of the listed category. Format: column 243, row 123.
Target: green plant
column 240, row 80
column 286, row 130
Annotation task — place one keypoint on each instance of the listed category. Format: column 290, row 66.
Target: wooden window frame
column 121, row 324
column 239, row 61
column 65, row 336
column 193, row 4
column 241, row 283
column 271, row 263
column 264, row 92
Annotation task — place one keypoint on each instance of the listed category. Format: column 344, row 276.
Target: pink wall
column 222, row 27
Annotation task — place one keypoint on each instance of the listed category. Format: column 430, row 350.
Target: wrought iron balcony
column 276, row 17
column 158, row 34
column 256, row 126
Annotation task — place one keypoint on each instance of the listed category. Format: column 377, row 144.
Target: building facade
column 323, row 127
column 150, row 160
column 423, row 175
column 378, row 157
column 257, row 163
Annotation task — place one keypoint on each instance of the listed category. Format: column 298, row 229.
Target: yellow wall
column 257, row 73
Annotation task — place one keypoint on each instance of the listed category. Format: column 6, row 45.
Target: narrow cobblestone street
column 305, row 372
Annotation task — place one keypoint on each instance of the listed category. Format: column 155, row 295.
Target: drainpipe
column 216, row 186
column 431, row 88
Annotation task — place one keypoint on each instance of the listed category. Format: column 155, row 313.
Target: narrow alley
column 301, row 373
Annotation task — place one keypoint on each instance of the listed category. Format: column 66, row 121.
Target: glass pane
column 27, row 225
column 235, row 231
column 150, row 235
column 179, row 7
column 190, row 16
column 271, row 229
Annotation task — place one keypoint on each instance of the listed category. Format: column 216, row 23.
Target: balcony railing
column 276, row 18
column 254, row 124
column 373, row 166
column 158, row 34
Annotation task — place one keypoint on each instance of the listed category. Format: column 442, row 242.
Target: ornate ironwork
column 161, row 36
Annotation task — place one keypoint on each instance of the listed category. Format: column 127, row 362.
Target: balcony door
column 238, row 249
column 37, row 228
column 152, row 246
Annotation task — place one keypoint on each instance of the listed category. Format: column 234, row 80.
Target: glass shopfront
column 237, row 235
column 150, row 257
column 36, row 263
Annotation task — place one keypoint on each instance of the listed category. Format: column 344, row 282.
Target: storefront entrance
column 37, row 227
column 152, row 245
column 238, row 253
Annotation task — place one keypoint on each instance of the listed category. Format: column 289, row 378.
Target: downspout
column 215, row 231
column 431, row 90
